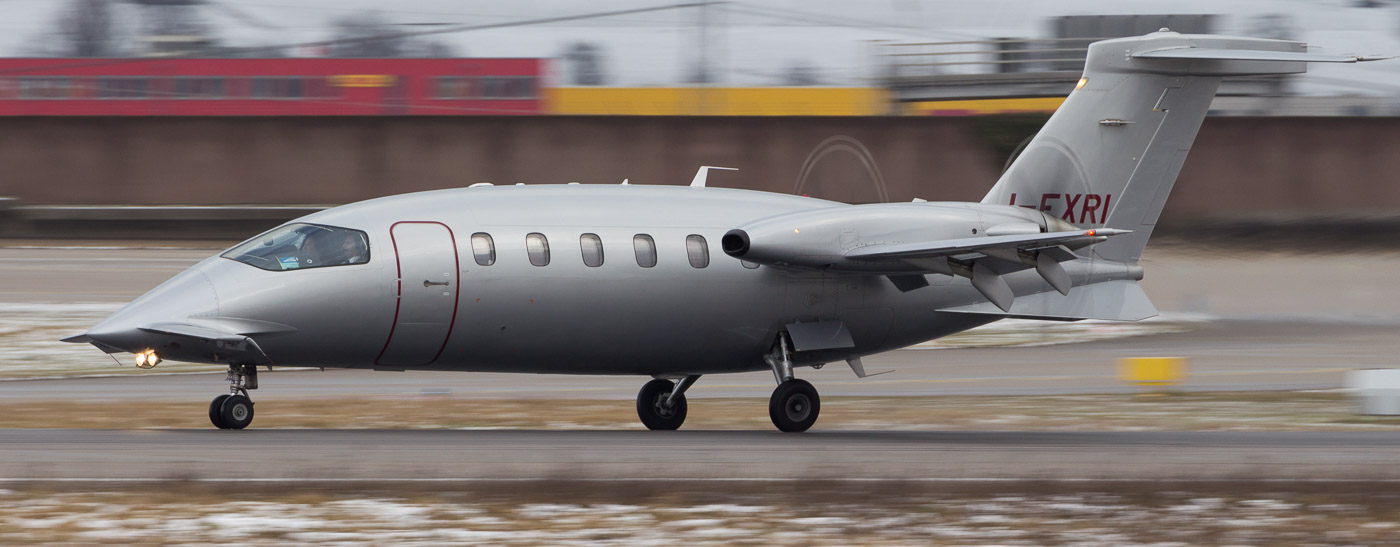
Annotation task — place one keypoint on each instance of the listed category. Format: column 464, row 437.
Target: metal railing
column 932, row 60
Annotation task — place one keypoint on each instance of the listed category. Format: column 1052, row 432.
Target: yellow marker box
column 1152, row 371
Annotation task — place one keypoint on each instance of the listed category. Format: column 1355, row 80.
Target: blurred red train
column 269, row 87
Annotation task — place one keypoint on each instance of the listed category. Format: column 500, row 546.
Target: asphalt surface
column 401, row 455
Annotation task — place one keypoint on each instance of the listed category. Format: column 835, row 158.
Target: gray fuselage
column 423, row 302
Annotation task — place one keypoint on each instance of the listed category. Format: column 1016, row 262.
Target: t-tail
column 1110, row 154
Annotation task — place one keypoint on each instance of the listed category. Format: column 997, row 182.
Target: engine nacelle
column 820, row 239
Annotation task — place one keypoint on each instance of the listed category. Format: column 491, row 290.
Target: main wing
column 906, row 242
column 968, row 257
column 990, row 245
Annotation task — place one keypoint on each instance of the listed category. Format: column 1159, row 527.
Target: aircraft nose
column 191, row 293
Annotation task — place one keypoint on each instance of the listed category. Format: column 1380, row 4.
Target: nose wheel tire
column 236, row 412
column 652, row 408
column 794, row 406
column 216, row 410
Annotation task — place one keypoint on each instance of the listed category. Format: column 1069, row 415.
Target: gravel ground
column 681, row 513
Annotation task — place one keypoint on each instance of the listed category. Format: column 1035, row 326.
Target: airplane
column 677, row 282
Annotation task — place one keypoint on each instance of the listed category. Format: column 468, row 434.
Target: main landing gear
column 793, row 407
column 235, row 410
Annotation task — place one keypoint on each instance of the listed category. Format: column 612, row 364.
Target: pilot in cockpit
column 351, row 248
column 326, row 248
column 311, row 249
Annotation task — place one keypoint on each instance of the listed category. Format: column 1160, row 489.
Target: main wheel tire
column 652, row 409
column 236, row 412
column 794, row 406
column 216, row 411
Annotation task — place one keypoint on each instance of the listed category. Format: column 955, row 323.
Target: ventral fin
column 859, row 368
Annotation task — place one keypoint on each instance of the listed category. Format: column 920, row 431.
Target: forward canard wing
column 194, row 331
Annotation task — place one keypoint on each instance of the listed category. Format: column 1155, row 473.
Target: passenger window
column 483, row 249
column 592, row 248
column 645, row 247
column 302, row 246
column 697, row 250
column 538, row 248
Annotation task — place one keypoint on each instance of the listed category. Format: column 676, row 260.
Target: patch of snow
column 695, row 523
column 721, row 508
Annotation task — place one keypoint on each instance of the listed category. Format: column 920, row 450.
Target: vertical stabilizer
column 1111, row 153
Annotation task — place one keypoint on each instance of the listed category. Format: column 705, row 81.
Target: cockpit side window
column 302, row 246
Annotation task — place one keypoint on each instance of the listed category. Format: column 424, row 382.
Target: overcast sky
column 753, row 41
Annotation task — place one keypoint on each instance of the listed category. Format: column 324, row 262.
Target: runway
column 445, row 456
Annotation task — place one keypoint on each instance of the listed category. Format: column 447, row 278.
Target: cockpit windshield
column 301, row 246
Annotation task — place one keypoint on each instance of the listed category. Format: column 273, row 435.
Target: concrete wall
column 1240, row 166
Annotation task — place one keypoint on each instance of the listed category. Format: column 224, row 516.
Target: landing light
column 147, row 359
column 1081, row 83
column 796, row 231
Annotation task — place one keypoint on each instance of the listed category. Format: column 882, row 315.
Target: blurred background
column 285, row 107
column 138, row 137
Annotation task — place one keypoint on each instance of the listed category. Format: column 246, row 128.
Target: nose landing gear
column 661, row 403
column 235, row 409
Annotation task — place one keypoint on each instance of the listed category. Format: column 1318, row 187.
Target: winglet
column 704, row 172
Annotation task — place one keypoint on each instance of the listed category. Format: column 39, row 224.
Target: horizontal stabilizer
column 1196, row 53
column 1121, row 300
